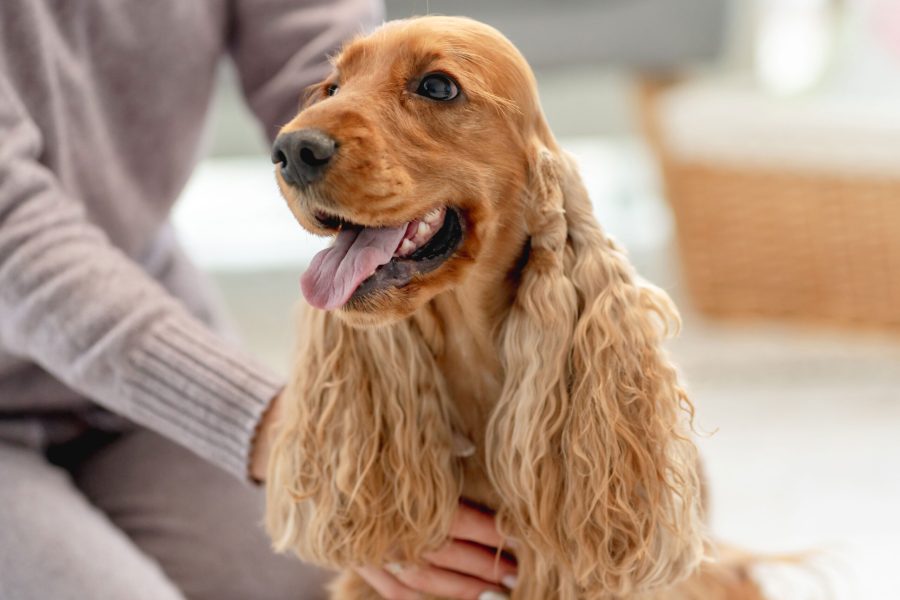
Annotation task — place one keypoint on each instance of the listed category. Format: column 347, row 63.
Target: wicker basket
column 799, row 245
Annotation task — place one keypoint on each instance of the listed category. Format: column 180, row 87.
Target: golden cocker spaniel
column 470, row 291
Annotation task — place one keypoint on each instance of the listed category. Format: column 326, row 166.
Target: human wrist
column 261, row 446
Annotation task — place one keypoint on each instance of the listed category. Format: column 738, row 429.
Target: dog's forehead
column 371, row 54
column 366, row 55
column 486, row 64
column 422, row 40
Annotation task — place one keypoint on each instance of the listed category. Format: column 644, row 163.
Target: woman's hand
column 466, row 568
column 265, row 437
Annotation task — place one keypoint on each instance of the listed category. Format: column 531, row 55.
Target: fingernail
column 510, row 581
column 492, row 595
column 393, row 568
column 462, row 446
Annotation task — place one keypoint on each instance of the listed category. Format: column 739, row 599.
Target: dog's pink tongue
column 336, row 272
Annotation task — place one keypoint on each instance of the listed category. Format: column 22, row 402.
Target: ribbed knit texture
column 102, row 106
column 178, row 361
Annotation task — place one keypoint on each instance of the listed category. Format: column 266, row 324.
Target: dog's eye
column 332, row 89
column 438, row 86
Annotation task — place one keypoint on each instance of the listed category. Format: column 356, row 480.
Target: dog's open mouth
column 363, row 260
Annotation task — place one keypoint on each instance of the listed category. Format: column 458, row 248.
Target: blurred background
column 747, row 153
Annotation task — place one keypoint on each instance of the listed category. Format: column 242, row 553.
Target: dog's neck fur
column 462, row 327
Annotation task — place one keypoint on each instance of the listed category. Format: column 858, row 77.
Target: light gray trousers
column 136, row 518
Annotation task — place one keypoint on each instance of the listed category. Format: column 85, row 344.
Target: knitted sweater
column 102, row 106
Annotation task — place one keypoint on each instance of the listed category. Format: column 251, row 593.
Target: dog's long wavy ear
column 363, row 470
column 589, row 443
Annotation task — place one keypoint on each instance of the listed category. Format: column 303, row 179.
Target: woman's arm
column 76, row 305
column 281, row 47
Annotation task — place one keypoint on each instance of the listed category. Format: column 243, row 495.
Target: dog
column 471, row 292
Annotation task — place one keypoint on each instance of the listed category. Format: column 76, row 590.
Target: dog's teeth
column 423, row 229
column 406, row 248
column 433, row 216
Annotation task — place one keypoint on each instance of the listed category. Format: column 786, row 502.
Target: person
column 128, row 417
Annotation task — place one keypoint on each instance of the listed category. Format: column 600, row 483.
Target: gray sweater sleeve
column 273, row 68
column 73, row 303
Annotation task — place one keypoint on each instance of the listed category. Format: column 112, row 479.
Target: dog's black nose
column 304, row 155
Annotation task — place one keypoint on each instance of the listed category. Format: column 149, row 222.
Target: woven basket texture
column 778, row 243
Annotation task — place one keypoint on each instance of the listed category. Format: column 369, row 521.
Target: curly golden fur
column 535, row 340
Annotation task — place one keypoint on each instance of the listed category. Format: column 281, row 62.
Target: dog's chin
column 398, row 303
column 380, row 309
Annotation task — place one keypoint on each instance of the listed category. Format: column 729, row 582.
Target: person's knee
column 296, row 582
column 199, row 523
column 56, row 545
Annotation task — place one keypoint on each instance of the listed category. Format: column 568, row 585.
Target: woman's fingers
column 475, row 526
column 472, row 559
column 440, row 582
column 387, row 586
column 466, row 568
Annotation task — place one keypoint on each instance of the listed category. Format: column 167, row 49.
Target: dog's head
column 412, row 152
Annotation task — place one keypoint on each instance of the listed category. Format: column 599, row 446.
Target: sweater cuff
column 186, row 383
